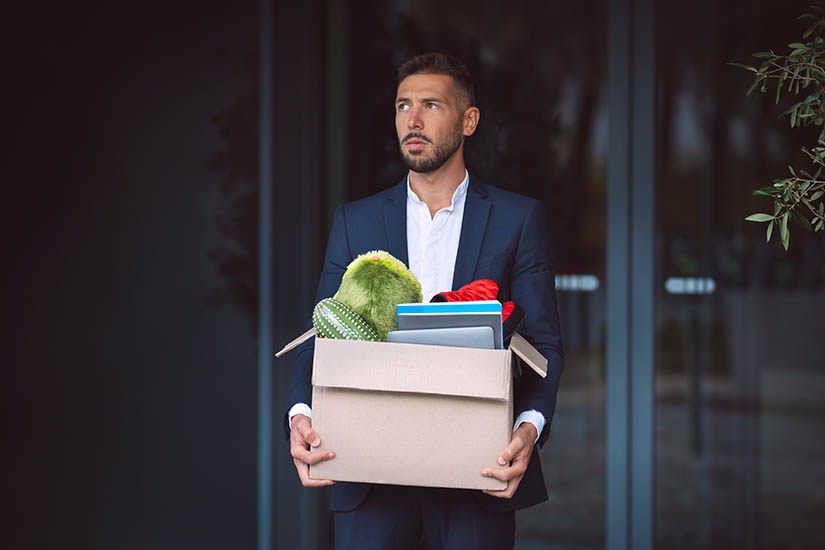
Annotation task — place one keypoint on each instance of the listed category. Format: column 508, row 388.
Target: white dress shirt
column 432, row 247
column 432, row 241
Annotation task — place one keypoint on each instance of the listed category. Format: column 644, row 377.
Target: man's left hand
column 518, row 451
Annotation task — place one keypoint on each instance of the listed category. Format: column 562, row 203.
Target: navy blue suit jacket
column 504, row 237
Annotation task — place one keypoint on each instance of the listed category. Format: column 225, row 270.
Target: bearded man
column 450, row 229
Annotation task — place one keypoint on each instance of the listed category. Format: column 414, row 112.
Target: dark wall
column 132, row 415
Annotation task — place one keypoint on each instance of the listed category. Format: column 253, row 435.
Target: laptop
column 460, row 337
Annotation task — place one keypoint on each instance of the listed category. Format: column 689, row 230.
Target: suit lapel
column 395, row 221
column 476, row 213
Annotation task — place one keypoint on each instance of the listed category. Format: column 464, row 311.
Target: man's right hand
column 301, row 438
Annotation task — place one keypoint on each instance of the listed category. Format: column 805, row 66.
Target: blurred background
column 132, row 213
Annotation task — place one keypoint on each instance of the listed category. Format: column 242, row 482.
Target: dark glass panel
column 740, row 376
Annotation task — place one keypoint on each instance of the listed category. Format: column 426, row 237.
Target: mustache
column 416, row 135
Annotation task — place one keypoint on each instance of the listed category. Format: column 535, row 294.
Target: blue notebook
column 452, row 314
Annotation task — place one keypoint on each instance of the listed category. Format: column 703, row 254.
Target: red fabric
column 482, row 289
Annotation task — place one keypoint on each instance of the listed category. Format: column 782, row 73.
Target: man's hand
column 518, row 451
column 301, row 437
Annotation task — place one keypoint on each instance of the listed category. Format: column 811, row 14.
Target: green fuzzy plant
column 802, row 73
column 373, row 284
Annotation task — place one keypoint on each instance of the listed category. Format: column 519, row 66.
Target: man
column 450, row 229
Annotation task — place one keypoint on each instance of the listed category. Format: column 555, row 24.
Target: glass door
column 540, row 76
column 740, row 375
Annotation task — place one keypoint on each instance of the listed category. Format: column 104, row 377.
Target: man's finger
column 314, row 457
column 512, row 485
column 306, row 481
column 309, row 435
column 504, row 474
column 516, row 445
column 303, row 454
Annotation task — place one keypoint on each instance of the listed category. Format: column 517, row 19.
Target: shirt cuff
column 303, row 408
column 532, row 416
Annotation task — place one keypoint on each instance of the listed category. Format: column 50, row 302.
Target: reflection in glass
column 739, row 370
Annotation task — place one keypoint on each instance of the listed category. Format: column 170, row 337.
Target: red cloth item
column 485, row 289
column 482, row 289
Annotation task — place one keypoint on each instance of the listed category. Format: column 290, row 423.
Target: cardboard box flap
column 297, row 342
column 412, row 368
column 529, row 354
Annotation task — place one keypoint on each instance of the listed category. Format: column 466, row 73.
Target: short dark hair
column 439, row 63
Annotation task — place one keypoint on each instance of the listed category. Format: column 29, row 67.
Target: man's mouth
column 415, row 143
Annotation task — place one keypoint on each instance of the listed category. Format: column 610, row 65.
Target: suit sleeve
column 534, row 288
column 336, row 260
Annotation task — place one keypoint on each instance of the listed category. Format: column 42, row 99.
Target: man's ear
column 470, row 121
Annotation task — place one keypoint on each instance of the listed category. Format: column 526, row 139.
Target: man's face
column 428, row 120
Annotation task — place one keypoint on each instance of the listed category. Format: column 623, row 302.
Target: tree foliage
column 801, row 73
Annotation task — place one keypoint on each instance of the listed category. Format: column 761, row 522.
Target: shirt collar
column 460, row 191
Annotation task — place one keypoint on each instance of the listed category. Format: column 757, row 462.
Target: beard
column 441, row 152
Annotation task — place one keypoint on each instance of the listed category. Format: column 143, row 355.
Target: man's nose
column 414, row 121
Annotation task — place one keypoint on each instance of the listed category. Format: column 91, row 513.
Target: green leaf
column 743, row 66
column 790, row 109
column 819, row 225
column 816, row 195
column 797, row 45
column 769, row 232
column 765, row 192
column 759, row 218
column 783, row 230
column 801, row 220
column 763, row 55
column 752, row 88
column 791, row 169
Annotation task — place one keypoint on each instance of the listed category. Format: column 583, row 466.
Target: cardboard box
column 411, row 414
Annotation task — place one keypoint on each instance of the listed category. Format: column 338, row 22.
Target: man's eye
column 403, row 107
column 432, row 106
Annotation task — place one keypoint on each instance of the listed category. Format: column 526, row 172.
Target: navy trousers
column 393, row 517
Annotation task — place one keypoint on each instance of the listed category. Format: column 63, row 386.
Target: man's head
column 434, row 110
column 439, row 63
